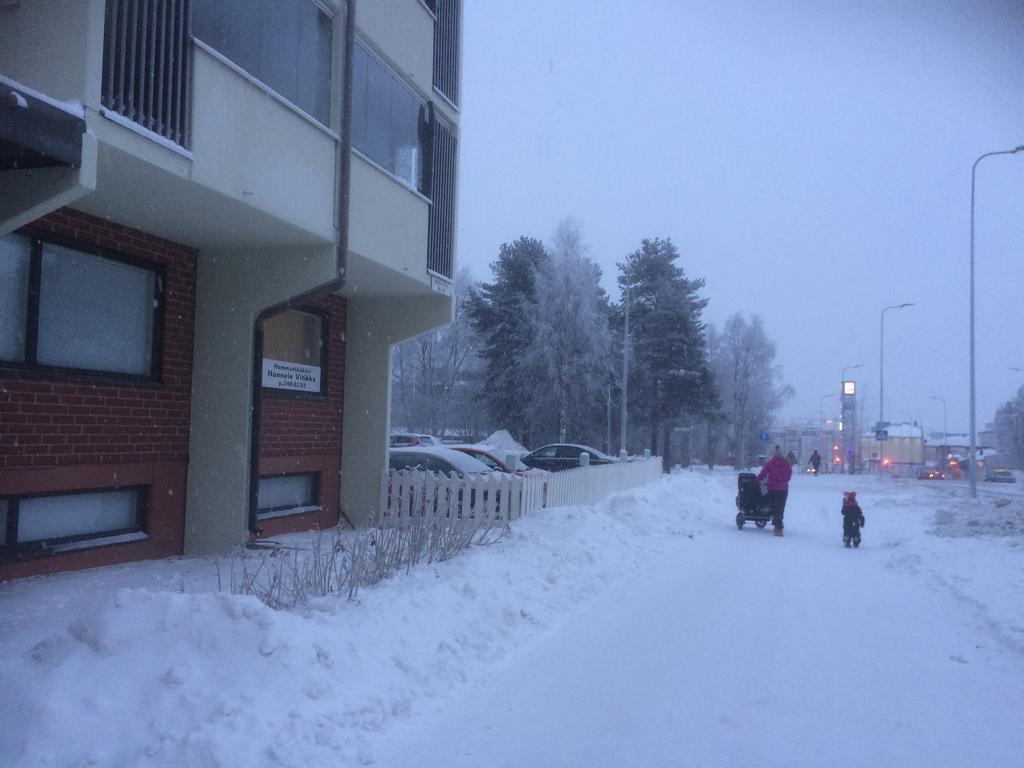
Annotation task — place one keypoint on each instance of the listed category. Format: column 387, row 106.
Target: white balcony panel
column 387, row 234
column 251, row 147
column 402, row 32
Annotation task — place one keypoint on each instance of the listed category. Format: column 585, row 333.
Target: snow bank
column 153, row 677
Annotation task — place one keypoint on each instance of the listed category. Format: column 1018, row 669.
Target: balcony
column 185, row 143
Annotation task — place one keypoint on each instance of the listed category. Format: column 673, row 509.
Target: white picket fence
column 501, row 498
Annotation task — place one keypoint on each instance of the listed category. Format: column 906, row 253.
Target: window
column 285, row 44
column 54, row 522
column 15, row 253
column 390, row 123
column 68, row 309
column 293, row 350
column 288, row 495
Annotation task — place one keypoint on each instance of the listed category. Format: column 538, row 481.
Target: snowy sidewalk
column 646, row 631
column 747, row 650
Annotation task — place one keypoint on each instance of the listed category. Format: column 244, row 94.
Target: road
column 742, row 649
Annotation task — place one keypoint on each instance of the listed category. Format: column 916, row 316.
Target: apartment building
column 216, row 218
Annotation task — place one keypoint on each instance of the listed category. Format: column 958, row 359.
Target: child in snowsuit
column 853, row 519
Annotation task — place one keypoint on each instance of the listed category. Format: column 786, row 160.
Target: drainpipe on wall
column 344, row 174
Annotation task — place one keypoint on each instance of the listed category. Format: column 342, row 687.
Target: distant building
column 902, row 448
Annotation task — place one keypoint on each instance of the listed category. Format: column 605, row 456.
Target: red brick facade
column 302, row 433
column 66, row 431
column 72, row 432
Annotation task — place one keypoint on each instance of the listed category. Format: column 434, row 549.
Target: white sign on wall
column 293, row 376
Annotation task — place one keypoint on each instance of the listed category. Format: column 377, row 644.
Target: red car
column 492, row 461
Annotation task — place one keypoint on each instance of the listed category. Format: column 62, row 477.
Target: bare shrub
column 341, row 561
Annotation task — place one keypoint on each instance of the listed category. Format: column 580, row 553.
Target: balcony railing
column 446, row 48
column 146, row 65
column 441, row 225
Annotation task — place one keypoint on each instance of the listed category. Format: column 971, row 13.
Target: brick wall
column 48, row 421
column 302, row 433
column 63, row 431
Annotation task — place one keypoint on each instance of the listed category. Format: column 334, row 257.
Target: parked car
column 492, row 460
column 407, row 439
column 999, row 475
column 444, row 460
column 559, row 456
column 432, row 459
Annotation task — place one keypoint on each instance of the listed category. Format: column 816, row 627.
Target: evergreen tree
column 502, row 312
column 669, row 371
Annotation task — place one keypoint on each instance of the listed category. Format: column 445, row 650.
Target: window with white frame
column 68, row 309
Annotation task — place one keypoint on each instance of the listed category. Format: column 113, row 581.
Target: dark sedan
column 559, row 456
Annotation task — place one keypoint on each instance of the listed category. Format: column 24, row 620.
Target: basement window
column 58, row 522
column 281, row 495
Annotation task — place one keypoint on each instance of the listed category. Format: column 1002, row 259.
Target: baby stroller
column 751, row 503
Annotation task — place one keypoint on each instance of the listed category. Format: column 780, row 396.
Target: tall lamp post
column 973, row 467
column 881, row 379
column 881, row 363
column 945, row 428
column 625, row 376
column 821, row 408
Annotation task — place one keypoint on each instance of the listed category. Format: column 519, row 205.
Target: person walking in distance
column 815, row 462
column 777, row 472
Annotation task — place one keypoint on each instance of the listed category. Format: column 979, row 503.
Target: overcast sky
column 810, row 160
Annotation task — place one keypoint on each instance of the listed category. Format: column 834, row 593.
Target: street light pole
column 881, row 364
column 821, row 408
column 881, row 379
column 945, row 428
column 973, row 467
column 625, row 375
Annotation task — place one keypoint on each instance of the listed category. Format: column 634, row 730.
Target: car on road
column 999, row 475
column 558, row 456
column 930, row 473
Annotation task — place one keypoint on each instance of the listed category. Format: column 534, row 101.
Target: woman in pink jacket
column 777, row 471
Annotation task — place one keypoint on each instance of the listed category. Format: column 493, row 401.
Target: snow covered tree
column 669, row 372
column 571, row 337
column 502, row 313
column 748, row 381
column 435, row 376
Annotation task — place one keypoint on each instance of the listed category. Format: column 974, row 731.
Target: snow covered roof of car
column 462, row 462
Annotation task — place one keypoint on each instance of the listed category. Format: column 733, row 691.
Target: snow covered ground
column 645, row 631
